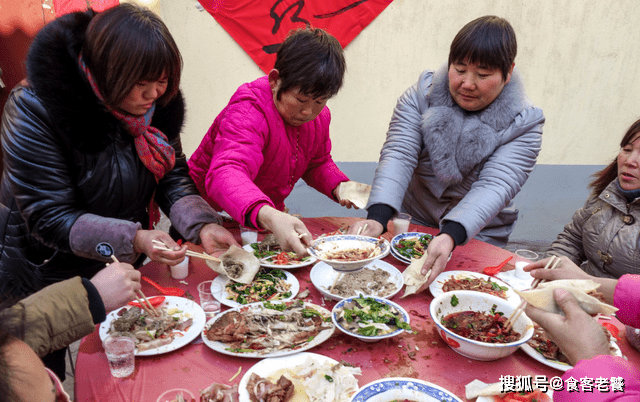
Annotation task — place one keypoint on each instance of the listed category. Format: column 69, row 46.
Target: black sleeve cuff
column 96, row 306
column 456, row 231
column 381, row 213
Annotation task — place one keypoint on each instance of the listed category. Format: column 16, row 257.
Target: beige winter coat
column 603, row 235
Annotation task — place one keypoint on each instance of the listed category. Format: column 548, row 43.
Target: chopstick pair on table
column 551, row 264
column 149, row 309
column 158, row 245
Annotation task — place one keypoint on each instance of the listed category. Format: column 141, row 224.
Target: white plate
column 223, row 280
column 266, row 367
column 556, row 364
column 222, row 347
column 185, row 305
column 436, row 285
column 321, row 247
column 399, row 388
column 266, row 263
column 403, row 236
column 323, row 276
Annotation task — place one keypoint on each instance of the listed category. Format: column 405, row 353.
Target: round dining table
column 421, row 354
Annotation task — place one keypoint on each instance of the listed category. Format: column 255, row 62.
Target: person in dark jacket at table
column 91, row 144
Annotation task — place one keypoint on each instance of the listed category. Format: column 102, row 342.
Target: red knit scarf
column 151, row 144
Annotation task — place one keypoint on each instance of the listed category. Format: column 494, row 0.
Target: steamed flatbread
column 357, row 193
column 478, row 388
column 542, row 296
column 237, row 264
column 413, row 279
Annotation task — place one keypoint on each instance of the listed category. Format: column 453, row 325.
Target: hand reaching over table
column 144, row 243
column 577, row 334
column 117, row 284
column 215, row 237
column 438, row 253
column 290, row 232
column 372, row 229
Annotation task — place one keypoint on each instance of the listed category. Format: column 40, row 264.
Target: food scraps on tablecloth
column 269, row 284
column 370, row 281
column 316, row 381
column 269, row 327
column 152, row 332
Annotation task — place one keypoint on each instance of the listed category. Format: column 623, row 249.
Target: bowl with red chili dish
column 473, row 324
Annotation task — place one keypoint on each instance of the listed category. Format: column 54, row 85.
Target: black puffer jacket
column 66, row 156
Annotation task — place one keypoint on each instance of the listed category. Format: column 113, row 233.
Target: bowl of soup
column 474, row 324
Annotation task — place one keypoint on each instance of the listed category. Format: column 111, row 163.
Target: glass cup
column 401, row 223
column 120, row 350
column 523, row 258
column 172, row 394
column 248, row 235
column 181, row 270
column 208, row 302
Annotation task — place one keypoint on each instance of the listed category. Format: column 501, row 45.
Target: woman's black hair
column 12, row 328
column 127, row 44
column 311, row 60
column 489, row 41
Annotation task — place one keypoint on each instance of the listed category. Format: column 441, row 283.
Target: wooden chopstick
column 150, row 310
column 161, row 246
column 362, row 229
column 516, row 313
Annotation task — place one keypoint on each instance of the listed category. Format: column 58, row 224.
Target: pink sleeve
column 604, row 367
column 626, row 298
column 322, row 173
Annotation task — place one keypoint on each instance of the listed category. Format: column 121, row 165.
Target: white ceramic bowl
column 337, row 243
column 337, row 309
column 477, row 301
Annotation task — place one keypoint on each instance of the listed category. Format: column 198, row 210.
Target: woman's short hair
column 489, row 41
column 311, row 60
column 127, row 44
column 605, row 176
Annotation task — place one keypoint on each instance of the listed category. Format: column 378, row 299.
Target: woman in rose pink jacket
column 274, row 131
column 582, row 340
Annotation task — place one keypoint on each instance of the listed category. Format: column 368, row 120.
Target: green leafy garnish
column 454, row 300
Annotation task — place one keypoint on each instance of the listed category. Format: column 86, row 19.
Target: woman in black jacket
column 91, row 143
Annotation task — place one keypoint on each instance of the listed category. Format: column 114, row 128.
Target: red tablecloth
column 195, row 366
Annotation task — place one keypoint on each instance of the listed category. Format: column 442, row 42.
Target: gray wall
column 546, row 203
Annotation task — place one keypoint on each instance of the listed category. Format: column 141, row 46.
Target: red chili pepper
column 612, row 329
column 155, row 301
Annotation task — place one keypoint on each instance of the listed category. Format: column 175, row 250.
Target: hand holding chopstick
column 158, row 245
column 516, row 313
column 150, row 309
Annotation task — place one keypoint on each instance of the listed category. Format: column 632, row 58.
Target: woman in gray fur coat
column 461, row 143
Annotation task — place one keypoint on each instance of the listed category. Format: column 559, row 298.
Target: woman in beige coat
column 603, row 236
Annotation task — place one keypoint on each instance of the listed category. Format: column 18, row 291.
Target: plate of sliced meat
column 268, row 329
column 179, row 321
column 300, row 377
column 466, row 280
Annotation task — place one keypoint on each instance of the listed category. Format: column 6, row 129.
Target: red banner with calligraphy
column 62, row 7
column 259, row 26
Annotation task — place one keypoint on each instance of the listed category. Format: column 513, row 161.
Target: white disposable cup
column 181, row 270
column 248, row 235
column 120, row 350
column 208, row 302
column 401, row 223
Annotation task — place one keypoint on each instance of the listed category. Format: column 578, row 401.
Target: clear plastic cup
column 401, row 223
column 120, row 350
column 208, row 302
column 523, row 258
column 248, row 235
column 181, row 270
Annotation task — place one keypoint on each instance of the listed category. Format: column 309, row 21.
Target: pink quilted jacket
column 250, row 157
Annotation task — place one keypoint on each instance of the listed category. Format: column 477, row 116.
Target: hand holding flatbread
column 357, row 193
column 237, row 264
column 413, row 279
column 542, row 297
